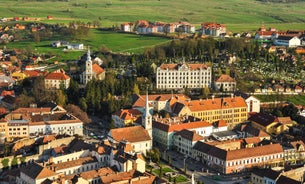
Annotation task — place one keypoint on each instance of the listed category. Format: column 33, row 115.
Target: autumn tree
column 79, row 113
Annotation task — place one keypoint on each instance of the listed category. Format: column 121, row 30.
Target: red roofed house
column 165, row 128
column 127, row 27
column 213, row 29
column 225, row 83
column 184, row 141
column 238, row 160
column 57, row 79
column 92, row 71
column 125, row 117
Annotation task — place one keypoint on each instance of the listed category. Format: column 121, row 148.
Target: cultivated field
column 237, row 14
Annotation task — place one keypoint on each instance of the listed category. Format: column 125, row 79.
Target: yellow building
column 233, row 110
column 19, row 75
column 17, row 129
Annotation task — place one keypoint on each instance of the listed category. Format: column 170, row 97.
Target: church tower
column 88, row 73
column 147, row 118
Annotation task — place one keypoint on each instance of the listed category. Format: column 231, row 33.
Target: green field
column 295, row 99
column 237, row 14
column 116, row 42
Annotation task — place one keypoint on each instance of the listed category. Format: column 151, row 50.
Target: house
column 137, row 136
column 164, row 129
column 213, row 29
column 157, row 102
column 238, row 160
column 57, row 80
column 75, row 46
column 253, row 104
column 179, row 76
column 184, row 141
column 263, row 34
column 35, row 174
column 225, row 83
column 287, row 40
column 262, row 121
column 298, row 89
column 127, row 27
column 231, row 109
column 126, row 117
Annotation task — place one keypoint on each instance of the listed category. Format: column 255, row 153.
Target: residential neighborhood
column 206, row 106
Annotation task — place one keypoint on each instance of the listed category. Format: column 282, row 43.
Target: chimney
column 213, row 97
column 232, row 95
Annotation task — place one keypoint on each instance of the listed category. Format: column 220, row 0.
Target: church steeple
column 88, row 73
column 147, row 117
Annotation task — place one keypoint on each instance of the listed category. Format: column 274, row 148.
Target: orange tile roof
column 128, row 114
column 254, row 152
column 97, row 69
column 48, row 138
column 32, row 73
column 89, row 174
column 57, row 76
column 225, row 78
column 221, row 123
column 252, row 140
column 140, row 99
column 112, row 178
column 190, row 66
column 130, row 134
column 31, row 110
column 217, row 103
column 170, row 127
column 73, row 163
column 284, row 120
column 6, row 92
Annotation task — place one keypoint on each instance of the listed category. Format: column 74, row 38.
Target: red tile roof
column 130, row 134
column 139, row 100
column 36, row 171
column 225, row 78
column 57, row 75
column 190, row 66
column 216, row 103
column 97, row 69
column 128, row 114
column 178, row 126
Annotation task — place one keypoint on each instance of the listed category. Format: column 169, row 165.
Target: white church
column 92, row 71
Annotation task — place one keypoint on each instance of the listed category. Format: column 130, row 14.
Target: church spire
column 88, row 55
column 146, row 114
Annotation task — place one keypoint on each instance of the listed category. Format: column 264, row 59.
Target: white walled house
column 178, row 76
column 184, row 141
column 287, row 40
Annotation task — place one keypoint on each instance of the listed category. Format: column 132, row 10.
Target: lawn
column 295, row 99
column 117, row 42
column 234, row 13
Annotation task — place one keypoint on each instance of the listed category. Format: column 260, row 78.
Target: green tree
column 205, row 92
column 14, row 162
column 61, row 98
column 22, row 159
column 83, row 104
column 73, row 92
column 5, row 162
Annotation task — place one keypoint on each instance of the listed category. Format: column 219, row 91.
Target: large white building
column 178, row 76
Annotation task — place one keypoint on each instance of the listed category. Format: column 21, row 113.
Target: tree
column 61, row 98
column 205, row 92
column 136, row 89
column 73, row 92
column 77, row 112
column 290, row 110
column 14, row 162
column 5, row 163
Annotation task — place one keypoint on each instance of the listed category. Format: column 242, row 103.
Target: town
column 207, row 107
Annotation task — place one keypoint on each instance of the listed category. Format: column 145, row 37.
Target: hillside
column 113, row 12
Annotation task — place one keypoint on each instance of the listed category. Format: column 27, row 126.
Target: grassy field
column 237, row 14
column 295, row 99
column 117, row 42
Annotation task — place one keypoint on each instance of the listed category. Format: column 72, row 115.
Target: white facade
column 288, row 42
column 70, row 127
column 181, row 76
column 253, row 104
column 87, row 75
